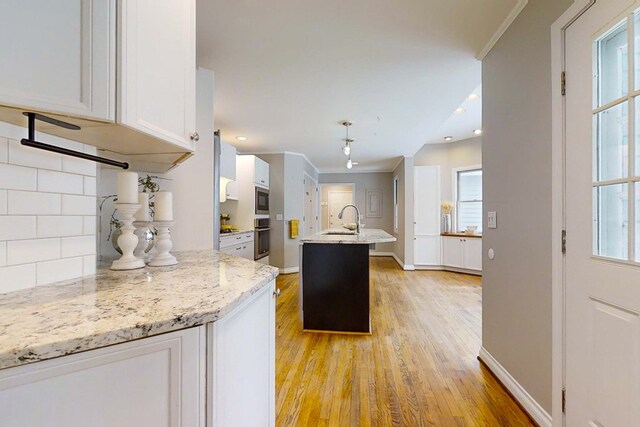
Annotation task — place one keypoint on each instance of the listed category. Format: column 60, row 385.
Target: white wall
column 403, row 248
column 516, row 153
column 47, row 212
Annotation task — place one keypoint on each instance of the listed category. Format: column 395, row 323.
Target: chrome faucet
column 357, row 216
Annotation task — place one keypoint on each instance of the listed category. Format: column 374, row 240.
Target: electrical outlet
column 279, row 217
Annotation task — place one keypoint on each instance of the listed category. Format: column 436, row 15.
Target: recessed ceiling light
column 448, row 138
column 477, row 132
column 459, row 110
column 241, row 138
column 473, row 97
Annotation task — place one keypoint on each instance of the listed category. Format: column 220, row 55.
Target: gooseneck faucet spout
column 357, row 216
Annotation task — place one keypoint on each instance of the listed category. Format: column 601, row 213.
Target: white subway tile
column 4, row 150
column 17, row 277
column 79, row 166
column 17, row 227
column 60, row 226
column 32, row 157
column 57, row 270
column 3, row 202
column 32, row 203
column 90, row 186
column 89, row 265
column 18, row 177
column 29, row 251
column 70, row 145
column 77, row 246
column 77, row 205
column 90, row 224
column 59, row 182
column 3, row 254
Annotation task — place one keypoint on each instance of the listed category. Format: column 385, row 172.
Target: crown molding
column 519, row 6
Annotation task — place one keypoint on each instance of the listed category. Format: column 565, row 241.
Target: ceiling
column 289, row 71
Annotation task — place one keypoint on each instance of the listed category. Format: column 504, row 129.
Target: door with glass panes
column 602, row 214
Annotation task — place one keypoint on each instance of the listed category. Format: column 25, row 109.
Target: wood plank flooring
column 419, row 368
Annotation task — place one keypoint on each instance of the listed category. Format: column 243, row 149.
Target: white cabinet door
column 262, row 173
column 232, row 190
column 157, row 381
column 59, row 56
column 427, row 250
column 157, row 68
column 472, row 253
column 241, row 364
column 247, row 250
column 227, row 161
column 452, row 252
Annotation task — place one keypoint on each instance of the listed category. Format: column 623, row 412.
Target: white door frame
column 558, row 30
column 317, row 212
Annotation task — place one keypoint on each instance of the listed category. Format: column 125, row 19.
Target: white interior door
column 310, row 219
column 337, row 200
column 602, row 343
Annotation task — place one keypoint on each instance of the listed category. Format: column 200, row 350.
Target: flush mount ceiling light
column 241, row 138
column 477, row 132
column 448, row 138
column 473, row 97
column 459, row 110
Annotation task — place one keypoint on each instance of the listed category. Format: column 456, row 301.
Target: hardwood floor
column 419, row 368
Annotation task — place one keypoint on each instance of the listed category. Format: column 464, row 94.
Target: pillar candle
column 143, row 213
column 163, row 206
column 127, row 187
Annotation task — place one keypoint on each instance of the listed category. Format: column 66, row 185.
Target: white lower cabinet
column 241, row 370
column 221, row 374
column 157, row 381
column 462, row 252
column 427, row 250
column 238, row 244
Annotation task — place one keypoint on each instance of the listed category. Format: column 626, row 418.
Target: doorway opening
column 333, row 197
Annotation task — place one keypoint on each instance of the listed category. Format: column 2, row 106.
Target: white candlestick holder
column 127, row 241
column 163, row 245
column 143, row 228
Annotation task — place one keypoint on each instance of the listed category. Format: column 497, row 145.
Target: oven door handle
column 262, row 229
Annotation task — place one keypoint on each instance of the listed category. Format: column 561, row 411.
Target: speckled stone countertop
column 366, row 236
column 118, row 306
column 235, row 233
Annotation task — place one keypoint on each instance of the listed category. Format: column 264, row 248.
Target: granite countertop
column 366, row 236
column 117, row 306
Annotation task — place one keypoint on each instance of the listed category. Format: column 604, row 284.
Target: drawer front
column 235, row 239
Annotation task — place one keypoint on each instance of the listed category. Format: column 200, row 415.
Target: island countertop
column 366, row 236
column 113, row 307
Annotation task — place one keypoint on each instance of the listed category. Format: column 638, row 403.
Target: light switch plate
column 492, row 219
column 279, row 217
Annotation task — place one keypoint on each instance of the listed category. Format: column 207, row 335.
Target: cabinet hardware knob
column 195, row 137
column 276, row 293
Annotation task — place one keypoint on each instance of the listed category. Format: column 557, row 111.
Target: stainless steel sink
column 340, row 233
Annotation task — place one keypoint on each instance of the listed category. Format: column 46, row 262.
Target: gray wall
column 369, row 181
column 403, row 247
column 450, row 156
column 516, row 152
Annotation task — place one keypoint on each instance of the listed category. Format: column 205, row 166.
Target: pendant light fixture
column 347, row 147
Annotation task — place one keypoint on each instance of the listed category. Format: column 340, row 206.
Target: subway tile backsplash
column 47, row 212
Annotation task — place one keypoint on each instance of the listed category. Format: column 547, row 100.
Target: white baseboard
column 529, row 404
column 289, row 270
column 429, row 267
column 405, row 267
column 376, row 253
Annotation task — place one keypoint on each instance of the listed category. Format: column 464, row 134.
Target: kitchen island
column 334, row 280
column 183, row 345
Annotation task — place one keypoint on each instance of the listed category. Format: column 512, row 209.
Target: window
column 396, row 224
column 469, row 199
column 616, row 150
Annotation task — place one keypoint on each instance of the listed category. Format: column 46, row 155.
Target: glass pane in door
column 611, row 221
column 611, row 65
column 611, row 143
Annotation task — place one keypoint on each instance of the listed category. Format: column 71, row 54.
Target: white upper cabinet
column 261, row 176
column 227, row 161
column 59, row 56
column 124, row 71
column 157, row 69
